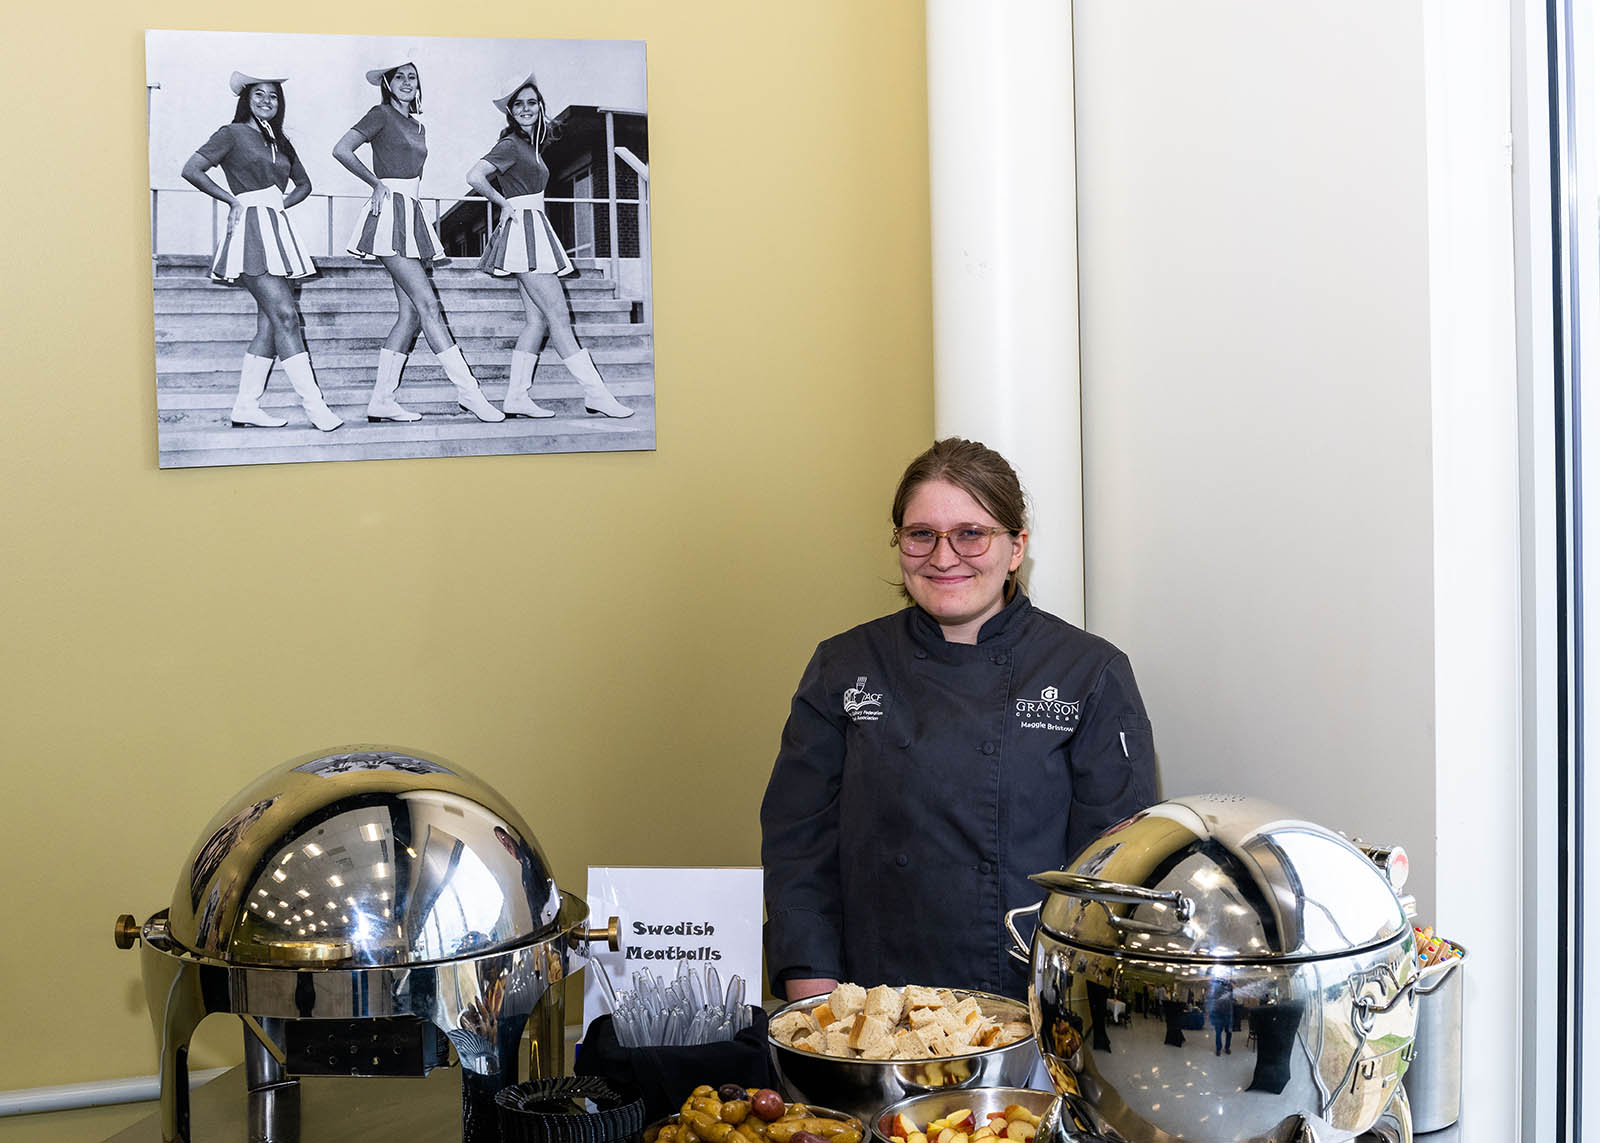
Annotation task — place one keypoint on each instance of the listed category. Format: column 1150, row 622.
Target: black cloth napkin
column 664, row 1077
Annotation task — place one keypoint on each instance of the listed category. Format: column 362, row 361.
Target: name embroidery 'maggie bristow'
column 862, row 705
column 1048, row 712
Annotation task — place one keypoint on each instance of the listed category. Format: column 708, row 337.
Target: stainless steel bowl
column 924, row 1109
column 653, row 1129
column 1263, row 959
column 864, row 1087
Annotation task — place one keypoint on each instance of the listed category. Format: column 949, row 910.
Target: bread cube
column 847, row 1000
column 885, row 1003
column 868, row 1032
column 880, row 1050
column 837, row 1044
column 910, row 1046
column 931, row 1036
column 791, row 1026
column 922, row 1017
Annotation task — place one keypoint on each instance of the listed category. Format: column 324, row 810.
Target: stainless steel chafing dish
column 1264, row 968
column 364, row 911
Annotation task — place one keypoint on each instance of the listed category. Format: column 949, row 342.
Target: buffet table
column 342, row 1110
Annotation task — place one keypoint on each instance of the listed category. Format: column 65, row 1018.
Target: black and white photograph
column 334, row 764
column 383, row 247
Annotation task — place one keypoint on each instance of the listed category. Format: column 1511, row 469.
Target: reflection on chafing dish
column 364, row 912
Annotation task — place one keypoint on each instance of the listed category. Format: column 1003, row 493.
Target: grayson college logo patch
column 1048, row 712
column 862, row 705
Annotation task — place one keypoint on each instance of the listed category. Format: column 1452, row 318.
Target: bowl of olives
column 734, row 1114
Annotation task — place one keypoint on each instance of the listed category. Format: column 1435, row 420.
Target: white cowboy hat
column 513, row 86
column 238, row 81
column 409, row 56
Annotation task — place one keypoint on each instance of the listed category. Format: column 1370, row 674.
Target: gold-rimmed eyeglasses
column 966, row 540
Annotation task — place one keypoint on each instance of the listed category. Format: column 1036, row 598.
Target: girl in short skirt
column 260, row 250
column 525, row 246
column 394, row 230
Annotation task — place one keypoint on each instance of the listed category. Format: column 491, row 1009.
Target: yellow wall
column 610, row 640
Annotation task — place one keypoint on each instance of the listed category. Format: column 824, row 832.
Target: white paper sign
column 672, row 917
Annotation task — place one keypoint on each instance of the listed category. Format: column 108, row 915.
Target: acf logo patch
column 1048, row 712
column 862, row 705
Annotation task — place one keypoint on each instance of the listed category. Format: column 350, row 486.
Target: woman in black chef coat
column 936, row 757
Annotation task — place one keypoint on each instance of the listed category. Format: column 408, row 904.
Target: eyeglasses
column 967, row 540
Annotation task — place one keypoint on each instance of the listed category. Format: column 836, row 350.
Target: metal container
column 1433, row 1082
column 364, row 911
column 864, row 1087
column 652, row 1130
column 924, row 1109
column 1268, row 967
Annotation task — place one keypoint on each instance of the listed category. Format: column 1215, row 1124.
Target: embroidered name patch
column 1048, row 712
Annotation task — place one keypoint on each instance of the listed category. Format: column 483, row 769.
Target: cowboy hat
column 409, row 56
column 516, row 85
column 238, row 81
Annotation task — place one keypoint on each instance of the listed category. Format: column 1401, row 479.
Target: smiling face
column 403, row 83
column 526, row 108
column 264, row 100
column 960, row 592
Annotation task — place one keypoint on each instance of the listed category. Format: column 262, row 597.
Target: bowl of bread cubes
column 861, row 1049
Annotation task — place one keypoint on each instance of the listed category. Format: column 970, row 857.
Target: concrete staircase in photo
column 202, row 329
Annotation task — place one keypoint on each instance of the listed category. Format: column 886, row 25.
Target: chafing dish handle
column 1116, row 893
column 1019, row 948
column 611, row 934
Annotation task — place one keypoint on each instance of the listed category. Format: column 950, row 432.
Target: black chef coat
column 920, row 782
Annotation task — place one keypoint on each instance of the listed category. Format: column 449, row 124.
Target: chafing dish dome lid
column 1256, row 882
column 363, row 856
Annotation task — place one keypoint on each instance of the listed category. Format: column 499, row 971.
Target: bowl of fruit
column 971, row 1115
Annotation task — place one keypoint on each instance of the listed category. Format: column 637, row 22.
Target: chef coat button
column 905, row 743
column 902, row 860
column 985, row 867
column 988, row 748
column 922, row 654
column 1000, row 659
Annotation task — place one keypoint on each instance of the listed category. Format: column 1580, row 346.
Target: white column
column 1005, row 261
column 1479, row 624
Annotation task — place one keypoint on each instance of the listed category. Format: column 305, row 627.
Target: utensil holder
column 1433, row 1081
